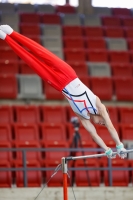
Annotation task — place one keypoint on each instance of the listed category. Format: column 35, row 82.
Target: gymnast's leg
column 34, row 47
column 40, row 68
column 60, row 73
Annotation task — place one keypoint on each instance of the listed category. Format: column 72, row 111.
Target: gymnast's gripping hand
column 6, row 28
column 121, row 151
column 109, row 153
column 2, row 35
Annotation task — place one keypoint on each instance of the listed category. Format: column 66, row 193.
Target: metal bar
column 70, row 169
column 64, row 170
column 54, row 149
column 110, row 172
column 25, row 168
column 95, row 155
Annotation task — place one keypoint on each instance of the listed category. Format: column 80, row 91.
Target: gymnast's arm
column 91, row 129
column 103, row 112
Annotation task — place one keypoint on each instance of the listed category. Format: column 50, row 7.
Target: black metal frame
column 25, row 168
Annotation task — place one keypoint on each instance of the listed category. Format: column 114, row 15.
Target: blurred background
column 96, row 39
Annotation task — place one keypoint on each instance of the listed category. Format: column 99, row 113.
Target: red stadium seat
column 122, row 70
column 36, row 38
column 8, row 55
column 51, row 93
column 6, row 155
column 8, row 87
column 34, row 178
column 95, row 43
column 82, row 152
column 80, row 68
column 90, row 145
column 113, row 113
column 31, row 155
column 93, row 32
column 30, row 30
column 55, row 156
column 85, row 80
column 121, row 12
column 5, row 132
column 54, row 151
column 130, row 44
column 97, row 55
column 49, row 113
column 105, row 135
column 119, row 179
column 119, row 56
column 126, row 114
column 127, row 132
column 86, row 138
column 98, row 87
column 30, row 18
column 25, row 69
column 5, row 176
column 111, row 21
column 48, row 18
column 123, row 89
column 26, row 132
column 6, row 114
column 131, row 55
column 77, row 55
column 113, row 32
column 65, row 9
column 81, row 177
column 27, row 114
column 52, row 132
column 57, row 180
column 52, row 157
column 71, row 31
column 4, row 45
column 127, row 22
column 10, row 68
column 74, row 42
column 128, row 32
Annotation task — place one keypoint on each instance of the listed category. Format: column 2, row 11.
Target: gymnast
column 86, row 105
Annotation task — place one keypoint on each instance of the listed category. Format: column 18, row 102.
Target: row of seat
column 81, row 55
column 79, row 178
column 32, row 87
column 91, row 38
column 47, row 113
column 88, row 31
column 76, row 19
column 98, row 43
column 66, row 20
column 55, row 20
column 46, row 8
column 86, row 45
column 67, row 8
column 97, row 69
column 58, row 135
column 70, row 42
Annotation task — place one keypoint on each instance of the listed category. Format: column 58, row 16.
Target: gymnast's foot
column 2, row 35
column 6, row 28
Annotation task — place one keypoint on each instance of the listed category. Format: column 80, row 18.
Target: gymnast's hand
column 109, row 153
column 121, row 151
column 6, row 29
